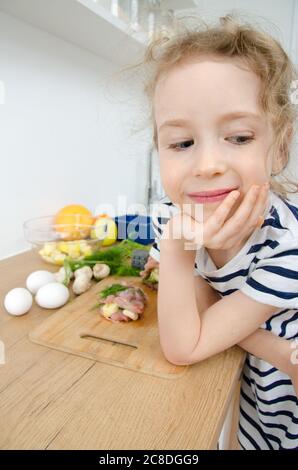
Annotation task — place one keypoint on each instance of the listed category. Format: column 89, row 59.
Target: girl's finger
column 218, row 218
column 258, row 212
column 244, row 211
column 238, row 220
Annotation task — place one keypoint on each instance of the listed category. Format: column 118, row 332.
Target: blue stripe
column 270, row 425
column 280, row 399
column 157, row 230
column 168, row 203
column 280, row 313
column 286, row 322
column 274, row 221
column 162, row 220
column 258, row 246
column 238, row 439
column 259, row 429
column 271, row 319
column 277, row 399
column 273, row 385
column 283, row 272
column 259, row 372
column 272, row 414
column 228, row 292
column 266, row 290
column 292, row 337
column 252, row 403
column 293, row 252
column 228, row 277
column 283, row 428
column 292, row 208
column 249, row 438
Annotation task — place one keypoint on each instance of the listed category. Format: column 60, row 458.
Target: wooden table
column 54, row 400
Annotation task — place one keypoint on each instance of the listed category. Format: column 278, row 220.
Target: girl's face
column 204, row 142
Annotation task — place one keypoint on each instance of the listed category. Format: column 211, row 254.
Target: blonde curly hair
column 258, row 50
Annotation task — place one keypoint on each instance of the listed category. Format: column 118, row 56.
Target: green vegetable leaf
column 68, row 272
column 111, row 290
column 118, row 258
column 127, row 271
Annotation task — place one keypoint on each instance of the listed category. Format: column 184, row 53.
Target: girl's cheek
column 170, row 175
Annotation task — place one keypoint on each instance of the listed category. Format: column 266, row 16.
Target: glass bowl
column 55, row 242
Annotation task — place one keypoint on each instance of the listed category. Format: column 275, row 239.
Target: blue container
column 135, row 227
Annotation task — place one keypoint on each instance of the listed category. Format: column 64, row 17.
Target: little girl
column 223, row 123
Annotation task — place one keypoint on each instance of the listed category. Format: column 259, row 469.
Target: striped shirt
column 265, row 269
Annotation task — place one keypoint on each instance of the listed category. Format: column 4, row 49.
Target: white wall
column 67, row 130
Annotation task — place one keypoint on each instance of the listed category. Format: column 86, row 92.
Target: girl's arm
column 186, row 336
column 277, row 351
column 176, row 278
column 261, row 343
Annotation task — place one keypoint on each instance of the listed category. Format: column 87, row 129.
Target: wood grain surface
column 50, row 399
column 78, row 328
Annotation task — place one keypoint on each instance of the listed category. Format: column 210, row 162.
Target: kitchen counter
column 54, row 400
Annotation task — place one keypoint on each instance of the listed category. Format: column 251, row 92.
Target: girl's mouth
column 217, row 195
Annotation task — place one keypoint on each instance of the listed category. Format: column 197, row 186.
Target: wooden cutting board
column 78, row 328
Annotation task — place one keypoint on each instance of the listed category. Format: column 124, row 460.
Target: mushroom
column 101, row 270
column 81, row 284
column 82, row 280
column 85, row 271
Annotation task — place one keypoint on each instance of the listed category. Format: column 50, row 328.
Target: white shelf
column 84, row 23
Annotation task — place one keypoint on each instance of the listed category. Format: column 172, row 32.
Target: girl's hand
column 150, row 264
column 216, row 232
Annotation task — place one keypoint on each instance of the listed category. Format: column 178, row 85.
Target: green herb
column 68, row 272
column 111, row 290
column 127, row 271
column 118, row 258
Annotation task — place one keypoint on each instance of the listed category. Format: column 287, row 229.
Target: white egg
column 37, row 279
column 18, row 301
column 52, row 295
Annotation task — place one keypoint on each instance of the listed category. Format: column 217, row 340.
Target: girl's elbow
column 176, row 362
column 173, row 357
column 180, row 360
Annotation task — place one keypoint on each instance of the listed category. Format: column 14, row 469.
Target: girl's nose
column 207, row 162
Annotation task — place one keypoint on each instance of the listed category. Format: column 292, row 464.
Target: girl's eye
column 242, row 139
column 177, row 146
